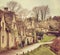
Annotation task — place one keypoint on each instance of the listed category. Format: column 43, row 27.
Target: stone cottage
column 8, row 30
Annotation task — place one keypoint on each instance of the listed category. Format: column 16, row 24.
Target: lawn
column 42, row 50
column 47, row 38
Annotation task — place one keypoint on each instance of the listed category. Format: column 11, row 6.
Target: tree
column 36, row 11
column 55, row 46
column 23, row 13
column 13, row 6
column 44, row 11
column 41, row 11
column 57, row 18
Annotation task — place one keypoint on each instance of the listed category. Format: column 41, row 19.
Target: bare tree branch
column 13, row 6
column 41, row 10
column 36, row 11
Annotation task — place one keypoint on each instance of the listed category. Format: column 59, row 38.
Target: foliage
column 40, row 33
column 52, row 28
column 56, row 45
column 47, row 38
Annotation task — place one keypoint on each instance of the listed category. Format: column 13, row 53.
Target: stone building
column 8, row 30
column 30, row 31
column 21, row 30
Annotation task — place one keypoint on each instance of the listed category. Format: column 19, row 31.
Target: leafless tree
column 41, row 11
column 23, row 13
column 36, row 11
column 13, row 6
column 44, row 11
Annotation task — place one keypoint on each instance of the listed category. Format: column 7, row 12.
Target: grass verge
column 47, row 38
column 42, row 50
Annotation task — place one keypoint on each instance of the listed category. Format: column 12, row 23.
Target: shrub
column 56, row 45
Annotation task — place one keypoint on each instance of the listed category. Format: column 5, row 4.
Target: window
column 14, row 25
column 3, row 26
column 2, row 39
column 0, row 19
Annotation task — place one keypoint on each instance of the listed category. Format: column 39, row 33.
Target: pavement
column 24, row 50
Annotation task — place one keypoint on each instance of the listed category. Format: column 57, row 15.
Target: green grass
column 43, row 50
column 47, row 38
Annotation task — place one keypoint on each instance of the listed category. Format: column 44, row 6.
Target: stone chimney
column 6, row 9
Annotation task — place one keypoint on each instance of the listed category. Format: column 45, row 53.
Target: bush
column 56, row 45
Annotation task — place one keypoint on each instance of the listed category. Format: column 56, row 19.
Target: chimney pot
column 6, row 9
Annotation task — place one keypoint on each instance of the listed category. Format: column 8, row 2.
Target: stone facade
column 8, row 30
column 30, row 31
column 13, row 31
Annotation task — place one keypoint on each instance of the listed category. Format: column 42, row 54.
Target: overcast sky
column 54, row 5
